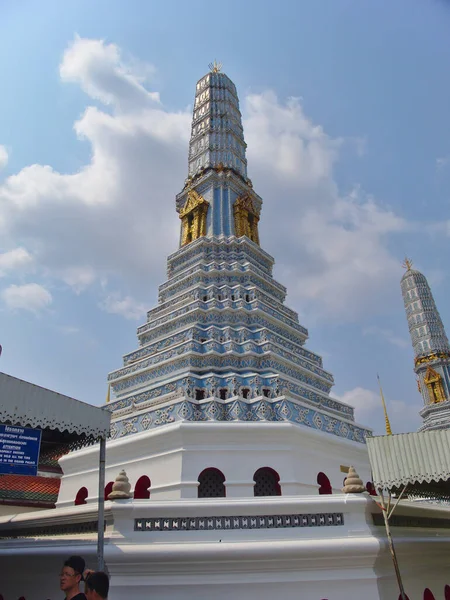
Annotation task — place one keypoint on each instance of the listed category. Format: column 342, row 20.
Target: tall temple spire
column 222, row 345
column 218, row 198
column 431, row 348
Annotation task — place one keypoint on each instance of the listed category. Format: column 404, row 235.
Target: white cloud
column 15, row 259
column 387, row 335
column 103, row 75
column 363, row 400
column 331, row 249
column 31, row 296
column 69, row 330
column 127, row 306
column 403, row 416
column 443, row 162
column 3, row 157
column 79, row 278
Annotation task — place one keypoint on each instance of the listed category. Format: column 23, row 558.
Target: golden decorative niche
column 193, row 217
column 433, row 381
column 246, row 218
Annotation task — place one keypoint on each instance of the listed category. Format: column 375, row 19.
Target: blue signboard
column 19, row 450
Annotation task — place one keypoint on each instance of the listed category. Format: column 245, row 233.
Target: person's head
column 97, row 586
column 71, row 574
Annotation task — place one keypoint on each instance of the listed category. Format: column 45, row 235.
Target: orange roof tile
column 27, row 487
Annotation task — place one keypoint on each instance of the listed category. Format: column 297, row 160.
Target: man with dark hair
column 97, row 586
column 70, row 578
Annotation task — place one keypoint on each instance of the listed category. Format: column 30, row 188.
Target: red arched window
column 267, row 482
column 108, row 489
column 142, row 488
column 428, row 595
column 211, row 484
column 324, row 483
column 81, row 496
column 371, row 488
column 447, row 592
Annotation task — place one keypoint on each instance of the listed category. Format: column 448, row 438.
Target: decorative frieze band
column 240, row 522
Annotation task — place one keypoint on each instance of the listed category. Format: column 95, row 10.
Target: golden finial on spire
column 407, row 264
column 386, row 418
column 215, row 66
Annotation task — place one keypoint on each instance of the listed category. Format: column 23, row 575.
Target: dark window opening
column 246, row 393
column 199, row 394
column 267, row 482
column 223, row 393
column 190, row 220
column 247, row 297
column 142, row 488
column 205, row 298
column 211, row 484
column 108, row 489
column 81, row 496
column 371, row 488
column 266, row 392
column 324, row 483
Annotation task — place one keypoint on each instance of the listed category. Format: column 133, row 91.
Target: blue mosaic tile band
column 237, row 411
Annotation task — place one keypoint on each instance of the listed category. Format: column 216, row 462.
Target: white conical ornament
column 353, row 483
column 121, row 488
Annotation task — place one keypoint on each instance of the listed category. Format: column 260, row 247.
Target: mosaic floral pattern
column 238, row 410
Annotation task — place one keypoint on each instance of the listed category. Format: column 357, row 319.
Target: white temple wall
column 174, row 456
column 338, row 562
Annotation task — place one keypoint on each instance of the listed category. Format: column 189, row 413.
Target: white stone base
column 174, row 456
column 336, row 562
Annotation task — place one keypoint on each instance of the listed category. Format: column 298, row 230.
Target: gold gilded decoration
column 386, row 418
column 193, row 217
column 431, row 357
column 246, row 218
column 419, row 387
column 407, row 264
column 220, row 167
column 433, row 381
column 215, row 67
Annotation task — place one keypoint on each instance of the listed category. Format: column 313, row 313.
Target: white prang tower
column 431, row 349
column 222, row 346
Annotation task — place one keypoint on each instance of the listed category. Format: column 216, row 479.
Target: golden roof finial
column 407, row 264
column 215, row 66
column 386, row 418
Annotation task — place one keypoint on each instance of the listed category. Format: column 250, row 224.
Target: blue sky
column 345, row 107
